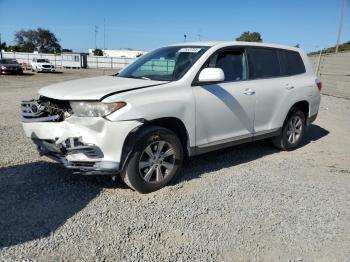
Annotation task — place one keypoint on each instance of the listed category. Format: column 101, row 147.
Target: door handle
column 289, row 87
column 249, row 92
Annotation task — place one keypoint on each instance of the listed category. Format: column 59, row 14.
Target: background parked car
column 10, row 66
column 42, row 65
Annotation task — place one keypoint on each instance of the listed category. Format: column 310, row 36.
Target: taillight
column 319, row 85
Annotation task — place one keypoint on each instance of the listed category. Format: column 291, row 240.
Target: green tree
column 3, row 46
column 342, row 47
column 250, row 37
column 98, row 52
column 12, row 48
column 41, row 40
column 65, row 50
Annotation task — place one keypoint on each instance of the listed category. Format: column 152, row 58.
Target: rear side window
column 264, row 63
column 291, row 63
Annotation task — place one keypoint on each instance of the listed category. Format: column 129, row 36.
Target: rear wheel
column 156, row 159
column 292, row 131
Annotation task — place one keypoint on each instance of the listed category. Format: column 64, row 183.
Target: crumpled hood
column 94, row 88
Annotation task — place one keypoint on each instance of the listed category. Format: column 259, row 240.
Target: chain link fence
column 71, row 60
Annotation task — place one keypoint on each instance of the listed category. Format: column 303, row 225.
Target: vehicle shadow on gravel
column 237, row 155
column 37, row 198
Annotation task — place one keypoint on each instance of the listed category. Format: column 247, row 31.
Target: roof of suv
column 232, row 43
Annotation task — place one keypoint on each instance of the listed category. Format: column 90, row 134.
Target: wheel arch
column 172, row 123
column 304, row 106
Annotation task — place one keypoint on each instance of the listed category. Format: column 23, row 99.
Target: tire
column 294, row 125
column 156, row 159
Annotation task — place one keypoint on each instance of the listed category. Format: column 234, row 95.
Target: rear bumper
column 84, row 144
column 311, row 119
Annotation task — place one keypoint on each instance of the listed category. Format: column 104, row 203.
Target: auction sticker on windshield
column 189, row 50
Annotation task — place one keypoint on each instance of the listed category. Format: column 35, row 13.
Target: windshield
column 164, row 64
column 8, row 61
column 43, row 61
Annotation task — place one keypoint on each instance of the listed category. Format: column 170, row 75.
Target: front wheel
column 156, row 159
column 292, row 131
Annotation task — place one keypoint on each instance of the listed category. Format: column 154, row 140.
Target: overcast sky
column 149, row 24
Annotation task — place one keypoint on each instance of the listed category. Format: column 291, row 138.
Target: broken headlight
column 94, row 109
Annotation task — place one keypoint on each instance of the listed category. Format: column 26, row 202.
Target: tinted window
column 263, row 63
column 232, row 63
column 291, row 63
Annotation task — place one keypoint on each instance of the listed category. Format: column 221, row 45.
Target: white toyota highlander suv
column 174, row 102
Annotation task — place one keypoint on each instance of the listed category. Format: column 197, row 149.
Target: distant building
column 123, row 53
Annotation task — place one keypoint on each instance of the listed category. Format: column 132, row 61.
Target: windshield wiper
column 138, row 77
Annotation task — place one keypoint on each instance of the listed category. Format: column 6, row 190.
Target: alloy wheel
column 157, row 161
column 294, row 130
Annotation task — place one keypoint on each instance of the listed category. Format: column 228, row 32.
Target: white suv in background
column 42, row 65
column 175, row 102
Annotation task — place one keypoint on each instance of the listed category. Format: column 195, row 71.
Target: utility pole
column 340, row 24
column 104, row 33
column 319, row 61
column 0, row 47
column 96, row 31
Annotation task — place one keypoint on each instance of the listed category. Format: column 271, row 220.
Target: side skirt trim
column 198, row 150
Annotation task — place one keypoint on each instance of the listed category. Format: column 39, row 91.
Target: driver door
column 225, row 111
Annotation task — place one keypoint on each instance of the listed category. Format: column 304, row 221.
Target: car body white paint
column 93, row 88
column 212, row 114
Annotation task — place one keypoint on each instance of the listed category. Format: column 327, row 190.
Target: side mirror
column 211, row 75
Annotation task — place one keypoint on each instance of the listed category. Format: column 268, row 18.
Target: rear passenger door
column 271, row 87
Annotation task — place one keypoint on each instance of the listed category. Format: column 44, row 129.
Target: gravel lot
column 249, row 202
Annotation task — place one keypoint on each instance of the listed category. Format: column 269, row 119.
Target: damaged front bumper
column 66, row 152
column 88, row 145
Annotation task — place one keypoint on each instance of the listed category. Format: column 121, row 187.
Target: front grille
column 12, row 68
column 45, row 110
column 46, row 66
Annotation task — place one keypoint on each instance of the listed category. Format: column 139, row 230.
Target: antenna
column 185, row 36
